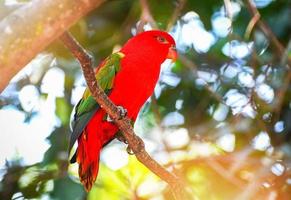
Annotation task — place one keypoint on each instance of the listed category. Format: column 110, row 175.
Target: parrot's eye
column 161, row 39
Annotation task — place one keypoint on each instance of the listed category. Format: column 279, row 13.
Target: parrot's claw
column 108, row 119
column 129, row 150
column 122, row 112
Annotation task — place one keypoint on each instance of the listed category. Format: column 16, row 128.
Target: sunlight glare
column 177, row 138
column 190, row 33
column 237, row 49
column 221, row 112
column 279, row 126
column 265, row 92
column 221, row 25
column 24, row 135
column 209, row 77
column 262, row 3
column 278, row 169
column 151, row 188
column 226, row 142
column 235, row 9
column 230, row 70
column 262, row 141
column 29, row 98
column 114, row 156
column 246, row 79
column 53, row 82
column 173, row 119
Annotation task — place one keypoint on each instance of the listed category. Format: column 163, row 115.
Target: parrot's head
column 152, row 45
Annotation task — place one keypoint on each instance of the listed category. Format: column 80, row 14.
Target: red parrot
column 128, row 77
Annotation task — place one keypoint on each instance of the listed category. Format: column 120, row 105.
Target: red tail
column 97, row 133
column 88, row 154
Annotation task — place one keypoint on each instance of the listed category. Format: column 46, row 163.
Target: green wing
column 87, row 106
column 105, row 78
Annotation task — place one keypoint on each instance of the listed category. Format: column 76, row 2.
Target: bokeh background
column 219, row 117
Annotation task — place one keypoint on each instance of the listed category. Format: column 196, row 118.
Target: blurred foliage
column 208, row 114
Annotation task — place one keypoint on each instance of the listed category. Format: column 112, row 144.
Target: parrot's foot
column 139, row 148
column 122, row 112
column 120, row 137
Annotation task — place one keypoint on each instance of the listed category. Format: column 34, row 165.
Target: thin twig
column 228, row 9
column 193, row 67
column 286, row 83
column 251, row 25
column 280, row 51
column 240, row 159
column 216, row 166
column 124, row 124
column 252, row 188
column 180, row 5
column 265, row 28
column 146, row 16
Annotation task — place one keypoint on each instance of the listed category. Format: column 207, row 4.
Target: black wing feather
column 79, row 123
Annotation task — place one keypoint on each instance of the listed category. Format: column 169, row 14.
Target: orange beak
column 172, row 54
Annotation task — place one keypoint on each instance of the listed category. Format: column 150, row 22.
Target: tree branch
column 135, row 143
column 32, row 27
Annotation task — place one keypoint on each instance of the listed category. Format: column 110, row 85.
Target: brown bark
column 31, row 28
